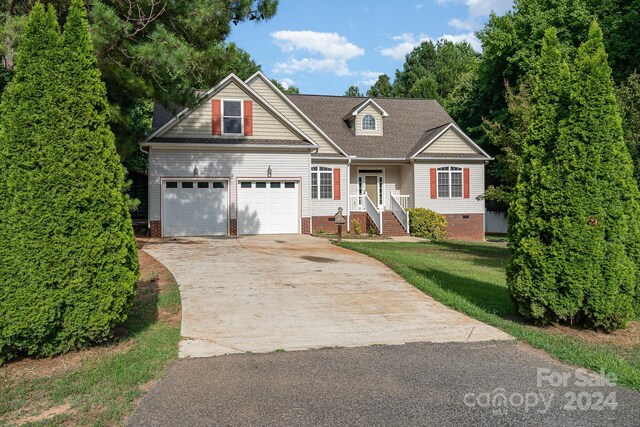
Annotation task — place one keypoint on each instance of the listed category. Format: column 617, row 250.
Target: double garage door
column 201, row 208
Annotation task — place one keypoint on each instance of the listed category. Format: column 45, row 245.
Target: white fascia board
column 226, row 147
column 295, row 108
column 463, row 159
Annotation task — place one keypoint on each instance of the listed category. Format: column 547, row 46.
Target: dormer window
column 368, row 122
column 232, row 117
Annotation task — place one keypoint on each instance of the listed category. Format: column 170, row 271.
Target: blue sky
column 324, row 46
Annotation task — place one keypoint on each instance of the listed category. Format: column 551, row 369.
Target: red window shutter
column 216, row 117
column 248, row 117
column 434, row 183
column 336, row 184
column 466, row 183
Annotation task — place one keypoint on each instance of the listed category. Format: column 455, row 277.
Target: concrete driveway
column 265, row 293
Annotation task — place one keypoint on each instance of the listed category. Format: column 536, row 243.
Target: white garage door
column 195, row 208
column 268, row 207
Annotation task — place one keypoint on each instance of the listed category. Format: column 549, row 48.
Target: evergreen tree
column 352, row 91
column 595, row 160
column 531, row 273
column 382, row 87
column 575, row 236
column 68, row 262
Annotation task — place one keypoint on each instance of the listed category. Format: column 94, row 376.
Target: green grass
column 470, row 277
column 103, row 389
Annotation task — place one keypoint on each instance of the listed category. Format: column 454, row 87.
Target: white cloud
column 462, row 25
column 477, row 11
column 369, row 77
column 419, row 6
column 405, row 44
column 469, row 37
column 321, row 52
column 287, row 82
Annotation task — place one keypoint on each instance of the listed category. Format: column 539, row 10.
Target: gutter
column 184, row 145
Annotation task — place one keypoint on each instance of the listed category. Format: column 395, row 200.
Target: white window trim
column 317, row 171
column 375, row 123
column 222, row 132
column 450, row 172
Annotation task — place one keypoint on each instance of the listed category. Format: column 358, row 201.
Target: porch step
column 391, row 226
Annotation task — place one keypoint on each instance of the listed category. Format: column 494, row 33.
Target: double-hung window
column 449, row 182
column 232, row 117
column 321, row 182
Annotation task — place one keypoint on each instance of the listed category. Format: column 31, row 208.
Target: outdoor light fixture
column 195, row 171
column 269, row 171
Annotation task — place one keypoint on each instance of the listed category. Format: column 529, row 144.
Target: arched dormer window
column 368, row 122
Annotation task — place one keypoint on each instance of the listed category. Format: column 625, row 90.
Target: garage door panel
column 193, row 209
column 270, row 209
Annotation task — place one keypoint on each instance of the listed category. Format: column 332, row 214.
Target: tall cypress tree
column 532, row 270
column 575, row 237
column 69, row 265
column 601, row 191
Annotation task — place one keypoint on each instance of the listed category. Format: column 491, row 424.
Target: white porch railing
column 356, row 203
column 400, row 211
column 374, row 213
column 403, row 200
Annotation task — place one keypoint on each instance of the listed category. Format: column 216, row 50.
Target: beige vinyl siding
column 180, row 163
column 450, row 142
column 198, row 123
column 329, row 207
column 283, row 108
column 406, row 183
column 422, row 185
column 376, row 114
column 391, row 179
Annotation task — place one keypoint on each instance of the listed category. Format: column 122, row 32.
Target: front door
column 371, row 185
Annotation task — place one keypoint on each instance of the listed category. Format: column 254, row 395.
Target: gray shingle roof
column 410, row 125
column 408, row 121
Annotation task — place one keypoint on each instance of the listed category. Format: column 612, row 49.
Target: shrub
column 356, row 226
column 427, row 223
column 68, row 261
column 372, row 230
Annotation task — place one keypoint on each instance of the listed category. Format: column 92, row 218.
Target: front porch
column 379, row 191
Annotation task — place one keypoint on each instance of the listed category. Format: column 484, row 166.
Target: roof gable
column 198, row 119
column 447, row 141
column 368, row 102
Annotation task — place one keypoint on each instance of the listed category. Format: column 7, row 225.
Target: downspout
column 349, row 195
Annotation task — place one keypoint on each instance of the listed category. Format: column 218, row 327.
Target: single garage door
column 268, row 207
column 195, row 208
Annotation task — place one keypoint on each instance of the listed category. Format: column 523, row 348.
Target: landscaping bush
column 427, row 223
column 68, row 261
column 356, row 226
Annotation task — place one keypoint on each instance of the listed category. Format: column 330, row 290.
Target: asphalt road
column 406, row 385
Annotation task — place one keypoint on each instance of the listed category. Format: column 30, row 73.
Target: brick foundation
column 306, row 225
column 322, row 223
column 233, row 227
column 465, row 226
column 155, row 228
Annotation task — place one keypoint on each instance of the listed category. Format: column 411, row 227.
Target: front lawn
column 99, row 386
column 470, row 277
